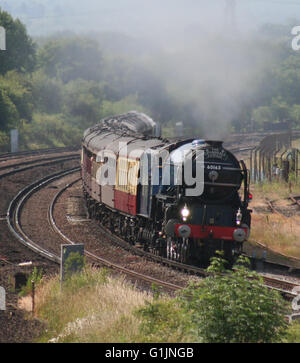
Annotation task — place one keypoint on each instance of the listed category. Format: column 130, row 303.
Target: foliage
column 36, row 278
column 53, row 92
column 223, row 308
column 47, row 93
column 15, row 100
column 82, row 102
column 4, row 140
column 231, row 307
column 163, row 321
column 234, row 307
column 70, row 59
column 49, row 131
column 20, row 53
column 92, row 307
column 293, row 333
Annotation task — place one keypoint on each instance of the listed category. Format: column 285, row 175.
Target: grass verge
column 91, row 307
column 96, row 307
column 279, row 233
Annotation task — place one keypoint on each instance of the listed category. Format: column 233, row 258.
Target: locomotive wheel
column 171, row 247
column 178, row 250
column 185, row 251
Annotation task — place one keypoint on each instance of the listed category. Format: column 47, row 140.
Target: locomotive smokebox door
column 184, row 231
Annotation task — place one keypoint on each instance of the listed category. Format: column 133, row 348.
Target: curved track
column 23, row 154
column 15, row 210
column 17, row 171
column 13, row 218
column 15, row 225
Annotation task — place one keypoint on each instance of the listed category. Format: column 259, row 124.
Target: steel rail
column 21, row 154
column 282, row 286
column 98, row 258
column 16, row 205
column 295, row 200
column 14, row 224
column 13, row 220
column 48, row 163
column 29, row 162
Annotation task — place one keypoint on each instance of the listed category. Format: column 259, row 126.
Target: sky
column 146, row 17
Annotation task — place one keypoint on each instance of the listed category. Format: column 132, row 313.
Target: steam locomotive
column 180, row 199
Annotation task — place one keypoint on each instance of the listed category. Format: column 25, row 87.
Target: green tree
column 280, row 109
column 4, row 141
column 295, row 115
column 47, row 93
column 225, row 307
column 234, row 307
column 287, row 76
column 70, row 59
column 20, row 49
column 49, row 131
column 261, row 116
column 15, row 100
column 82, row 101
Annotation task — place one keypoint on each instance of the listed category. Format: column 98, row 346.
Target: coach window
column 94, row 166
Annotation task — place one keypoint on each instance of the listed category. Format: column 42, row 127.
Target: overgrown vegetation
column 225, row 308
column 91, row 307
column 35, row 277
column 277, row 232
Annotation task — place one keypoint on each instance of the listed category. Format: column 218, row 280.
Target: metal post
column 259, row 167
column 255, row 165
column 251, row 155
column 32, row 296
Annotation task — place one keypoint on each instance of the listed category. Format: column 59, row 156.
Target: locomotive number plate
column 214, row 167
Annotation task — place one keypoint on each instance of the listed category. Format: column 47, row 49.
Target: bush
column 163, row 321
column 36, row 277
column 231, row 307
column 234, row 307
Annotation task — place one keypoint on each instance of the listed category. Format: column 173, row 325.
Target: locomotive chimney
column 214, row 143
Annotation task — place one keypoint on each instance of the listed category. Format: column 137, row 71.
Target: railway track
column 295, row 199
column 13, row 220
column 23, row 169
column 18, row 165
column 15, row 226
column 97, row 258
column 16, row 259
column 15, row 208
column 22, row 254
column 283, row 286
column 273, row 209
column 13, row 217
column 23, row 154
column 287, row 216
column 286, row 211
column 28, row 165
